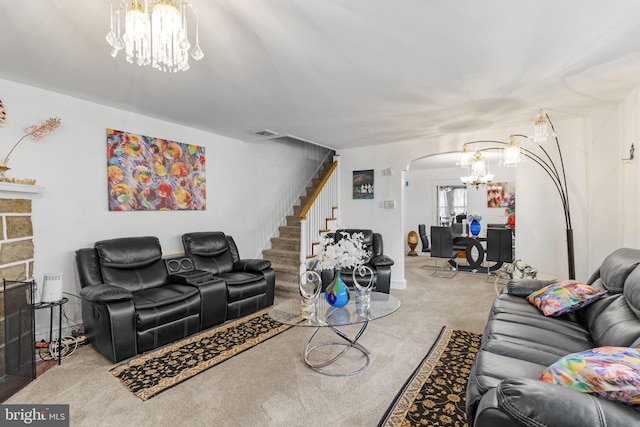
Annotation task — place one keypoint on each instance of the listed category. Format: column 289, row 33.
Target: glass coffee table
column 290, row 312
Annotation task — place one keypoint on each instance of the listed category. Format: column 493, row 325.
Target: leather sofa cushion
column 208, row 243
column 615, row 319
column 129, row 252
column 612, row 322
column 616, row 268
column 135, row 280
column 159, row 306
column 374, row 248
column 157, row 297
column 632, row 291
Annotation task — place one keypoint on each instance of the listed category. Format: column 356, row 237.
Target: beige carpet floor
column 270, row 385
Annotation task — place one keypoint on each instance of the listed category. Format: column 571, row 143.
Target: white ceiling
column 343, row 73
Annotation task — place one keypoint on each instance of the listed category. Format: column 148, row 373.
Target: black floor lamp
column 513, row 153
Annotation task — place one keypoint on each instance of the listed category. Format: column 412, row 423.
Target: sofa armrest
column 381, row 261
column 252, row 265
column 104, row 293
column 524, row 287
column 529, row 402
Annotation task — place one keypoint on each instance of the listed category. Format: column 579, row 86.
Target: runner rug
column 434, row 395
column 155, row 371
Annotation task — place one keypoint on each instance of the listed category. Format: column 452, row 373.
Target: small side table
column 50, row 306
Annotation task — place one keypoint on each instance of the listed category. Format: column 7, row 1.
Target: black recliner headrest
column 205, row 243
column 129, row 252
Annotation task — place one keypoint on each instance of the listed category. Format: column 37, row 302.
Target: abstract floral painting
column 501, row 195
column 152, row 174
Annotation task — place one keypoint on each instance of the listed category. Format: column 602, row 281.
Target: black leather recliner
column 131, row 304
column 250, row 282
column 378, row 261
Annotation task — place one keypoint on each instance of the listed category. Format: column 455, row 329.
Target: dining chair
column 442, row 244
column 499, row 245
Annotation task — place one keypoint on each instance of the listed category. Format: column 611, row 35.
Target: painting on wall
column 363, row 184
column 152, row 174
column 501, row 195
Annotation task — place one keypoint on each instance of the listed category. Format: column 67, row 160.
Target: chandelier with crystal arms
column 155, row 33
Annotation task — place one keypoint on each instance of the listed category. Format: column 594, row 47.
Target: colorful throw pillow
column 563, row 297
column 609, row 372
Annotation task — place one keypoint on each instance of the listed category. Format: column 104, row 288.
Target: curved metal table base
column 350, row 343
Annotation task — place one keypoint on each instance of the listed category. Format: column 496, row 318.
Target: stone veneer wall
column 16, row 253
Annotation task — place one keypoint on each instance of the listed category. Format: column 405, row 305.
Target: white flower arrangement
column 474, row 216
column 348, row 252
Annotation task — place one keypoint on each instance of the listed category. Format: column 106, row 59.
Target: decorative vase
column 337, row 293
column 474, row 228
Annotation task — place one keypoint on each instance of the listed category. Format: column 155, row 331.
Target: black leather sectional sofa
column 134, row 300
column 519, row 343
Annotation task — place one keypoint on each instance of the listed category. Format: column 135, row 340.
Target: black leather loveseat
column 134, row 300
column 519, row 343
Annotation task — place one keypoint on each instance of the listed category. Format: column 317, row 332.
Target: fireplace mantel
column 13, row 190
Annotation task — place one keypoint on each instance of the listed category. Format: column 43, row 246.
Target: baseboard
column 399, row 284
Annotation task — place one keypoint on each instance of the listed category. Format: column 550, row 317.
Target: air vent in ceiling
column 266, row 132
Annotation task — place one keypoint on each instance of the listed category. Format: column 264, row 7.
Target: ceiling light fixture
column 155, row 33
column 478, row 174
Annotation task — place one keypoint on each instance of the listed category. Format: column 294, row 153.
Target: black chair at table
column 442, row 244
column 422, row 232
column 499, row 245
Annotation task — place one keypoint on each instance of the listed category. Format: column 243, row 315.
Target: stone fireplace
column 16, row 264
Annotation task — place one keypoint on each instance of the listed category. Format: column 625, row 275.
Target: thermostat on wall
column 389, row 204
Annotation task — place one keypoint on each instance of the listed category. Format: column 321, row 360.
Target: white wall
column 250, row 186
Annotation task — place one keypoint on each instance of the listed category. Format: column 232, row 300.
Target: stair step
column 293, row 220
column 285, row 243
column 286, row 272
column 279, row 256
column 289, row 231
column 286, row 289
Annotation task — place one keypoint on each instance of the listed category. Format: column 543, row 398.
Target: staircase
column 285, row 249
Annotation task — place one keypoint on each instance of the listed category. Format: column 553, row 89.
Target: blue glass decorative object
column 474, row 228
column 337, row 293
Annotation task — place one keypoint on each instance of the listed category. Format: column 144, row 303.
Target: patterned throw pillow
column 609, row 372
column 563, row 297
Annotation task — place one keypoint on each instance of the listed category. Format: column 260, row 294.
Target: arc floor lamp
column 513, row 153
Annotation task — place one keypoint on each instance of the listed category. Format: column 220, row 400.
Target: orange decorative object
column 511, row 220
column 412, row 241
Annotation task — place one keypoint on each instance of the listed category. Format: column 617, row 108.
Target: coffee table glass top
column 290, row 311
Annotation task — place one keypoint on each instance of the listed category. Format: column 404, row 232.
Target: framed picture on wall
column 363, row 184
column 501, row 195
column 153, row 174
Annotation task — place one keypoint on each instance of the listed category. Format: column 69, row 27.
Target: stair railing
column 316, row 213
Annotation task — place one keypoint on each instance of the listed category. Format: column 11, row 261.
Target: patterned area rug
column 154, row 372
column 434, row 395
